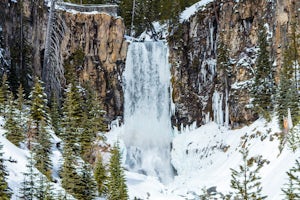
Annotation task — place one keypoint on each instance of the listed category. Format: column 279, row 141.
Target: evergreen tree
column 86, row 186
column 28, row 186
column 100, row 176
column 69, row 175
column 74, row 62
column 287, row 95
column 55, row 115
column 42, row 151
column 14, row 131
column 3, row 61
column 292, row 189
column 92, row 121
column 246, row 181
column 3, row 93
column 21, row 109
column 72, row 118
column 117, row 189
column 293, row 138
column 20, row 99
column 288, row 92
column 5, row 192
column 263, row 88
column 93, row 108
column 38, row 109
column 87, row 137
column 44, row 189
column 62, row 196
column 38, row 112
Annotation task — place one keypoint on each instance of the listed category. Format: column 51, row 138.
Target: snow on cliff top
column 188, row 12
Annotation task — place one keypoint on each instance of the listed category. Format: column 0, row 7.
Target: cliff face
column 99, row 36
column 201, row 89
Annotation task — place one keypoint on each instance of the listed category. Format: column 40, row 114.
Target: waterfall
column 147, row 124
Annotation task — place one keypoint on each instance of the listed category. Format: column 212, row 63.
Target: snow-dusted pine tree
column 246, row 180
column 5, row 192
column 100, row 176
column 264, row 85
column 117, row 189
column 14, row 132
column 292, row 188
column 28, row 186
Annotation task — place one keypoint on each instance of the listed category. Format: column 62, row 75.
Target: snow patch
column 188, row 12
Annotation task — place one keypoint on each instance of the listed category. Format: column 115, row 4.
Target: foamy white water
column 147, row 125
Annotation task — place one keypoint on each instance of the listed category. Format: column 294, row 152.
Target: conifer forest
column 149, row 99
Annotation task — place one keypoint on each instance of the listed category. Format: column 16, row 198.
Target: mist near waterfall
column 147, row 126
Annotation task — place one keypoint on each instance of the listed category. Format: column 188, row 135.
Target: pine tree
column 293, row 138
column 69, row 175
column 38, row 113
column 246, row 181
column 28, row 186
column 86, row 188
column 264, row 84
column 87, row 137
column 14, row 131
column 42, row 151
column 55, row 115
column 100, row 176
column 72, row 118
column 3, row 61
column 117, row 189
column 292, row 189
column 3, row 93
column 93, row 121
column 287, row 95
column 62, row 195
column 288, row 92
column 20, row 99
column 44, row 189
column 38, row 109
column 74, row 62
column 5, row 192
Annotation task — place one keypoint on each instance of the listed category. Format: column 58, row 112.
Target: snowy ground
column 203, row 158
column 16, row 161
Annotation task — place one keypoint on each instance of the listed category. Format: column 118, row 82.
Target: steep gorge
column 201, row 91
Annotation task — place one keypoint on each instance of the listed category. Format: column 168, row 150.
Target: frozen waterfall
column 147, row 124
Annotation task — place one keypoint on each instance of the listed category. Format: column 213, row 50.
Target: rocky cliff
column 203, row 91
column 99, row 36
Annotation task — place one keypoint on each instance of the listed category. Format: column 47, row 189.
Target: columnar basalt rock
column 101, row 37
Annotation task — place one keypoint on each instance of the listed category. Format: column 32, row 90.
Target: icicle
column 217, row 108
column 226, row 110
column 289, row 119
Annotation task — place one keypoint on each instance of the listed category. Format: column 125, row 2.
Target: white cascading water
column 147, row 124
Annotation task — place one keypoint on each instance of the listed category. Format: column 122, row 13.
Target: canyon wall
column 202, row 90
column 99, row 36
